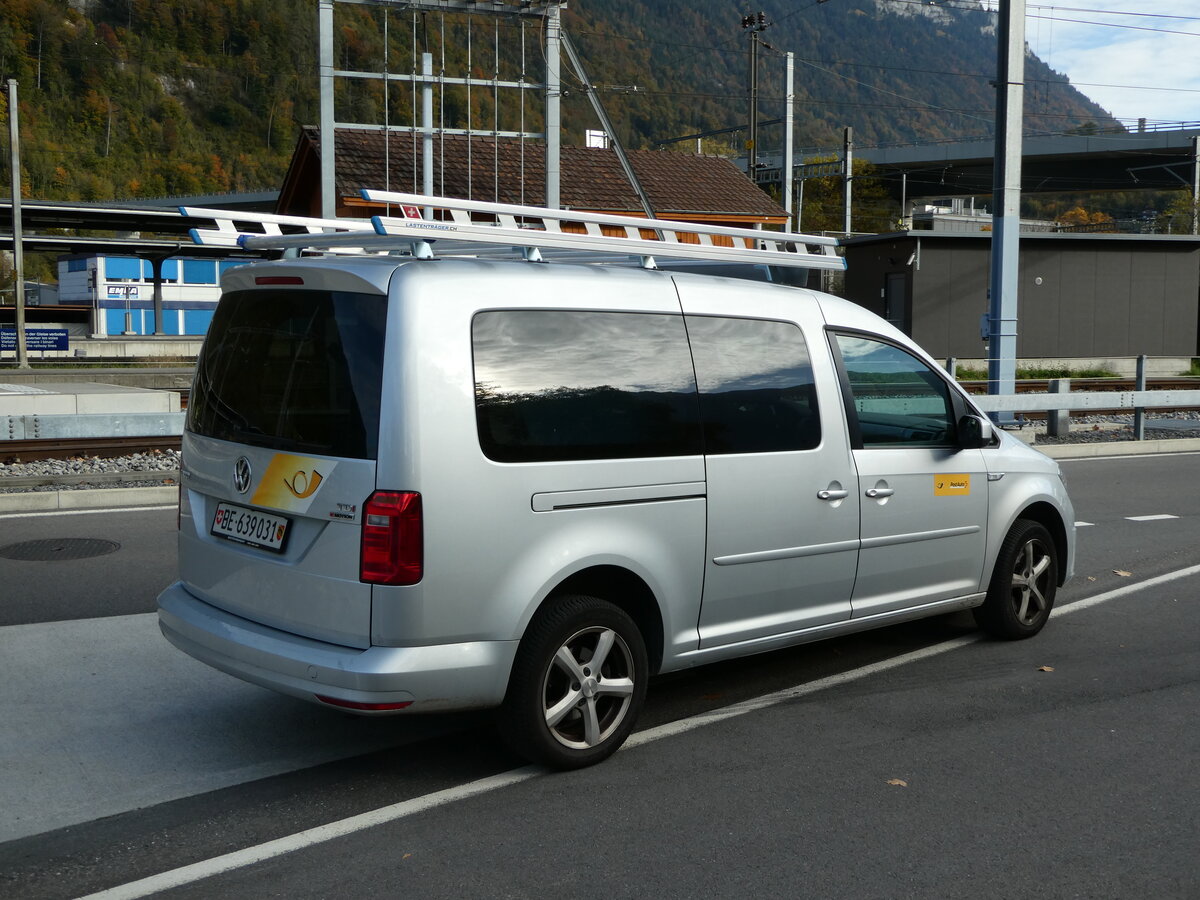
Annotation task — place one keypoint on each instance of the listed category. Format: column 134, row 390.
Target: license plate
column 249, row 526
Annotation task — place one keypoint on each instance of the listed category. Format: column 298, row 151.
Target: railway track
column 30, row 450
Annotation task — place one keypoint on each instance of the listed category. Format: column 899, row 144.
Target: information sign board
column 35, row 339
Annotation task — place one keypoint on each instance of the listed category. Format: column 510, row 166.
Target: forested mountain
column 142, row 98
column 894, row 70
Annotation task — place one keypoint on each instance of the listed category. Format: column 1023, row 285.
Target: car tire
column 1021, row 593
column 561, row 709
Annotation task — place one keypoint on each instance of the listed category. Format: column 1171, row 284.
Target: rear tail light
column 278, row 279
column 393, row 546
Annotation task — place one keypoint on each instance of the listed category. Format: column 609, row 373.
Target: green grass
column 1024, row 373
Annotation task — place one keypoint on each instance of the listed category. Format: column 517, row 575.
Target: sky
column 1109, row 56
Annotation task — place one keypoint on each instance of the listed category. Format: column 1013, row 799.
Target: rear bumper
column 436, row 678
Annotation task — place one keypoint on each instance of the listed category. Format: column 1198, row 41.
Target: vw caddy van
column 424, row 484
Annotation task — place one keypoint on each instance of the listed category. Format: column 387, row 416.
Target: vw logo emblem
column 241, row 475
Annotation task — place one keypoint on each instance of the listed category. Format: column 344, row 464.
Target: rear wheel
column 1021, row 593
column 577, row 684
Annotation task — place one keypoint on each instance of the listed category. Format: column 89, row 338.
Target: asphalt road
column 915, row 761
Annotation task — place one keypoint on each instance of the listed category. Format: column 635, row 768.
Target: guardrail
column 1059, row 402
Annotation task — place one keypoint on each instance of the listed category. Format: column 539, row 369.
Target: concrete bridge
column 1164, row 158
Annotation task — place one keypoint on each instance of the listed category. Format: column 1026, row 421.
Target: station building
column 119, row 291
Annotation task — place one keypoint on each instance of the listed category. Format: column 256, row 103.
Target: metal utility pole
column 755, row 24
column 1006, row 202
column 325, row 76
column 14, row 145
column 1196, row 185
column 789, row 142
column 553, row 113
column 427, row 126
column 847, row 176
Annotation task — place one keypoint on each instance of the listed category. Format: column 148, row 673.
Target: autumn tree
column 872, row 208
column 1078, row 216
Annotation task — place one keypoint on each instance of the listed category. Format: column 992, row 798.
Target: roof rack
column 453, row 227
column 226, row 234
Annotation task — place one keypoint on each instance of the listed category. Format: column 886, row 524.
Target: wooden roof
column 679, row 185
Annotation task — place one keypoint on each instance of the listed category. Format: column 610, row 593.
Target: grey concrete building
column 1080, row 296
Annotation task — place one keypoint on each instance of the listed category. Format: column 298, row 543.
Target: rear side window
column 756, row 385
column 293, row 370
column 570, row 385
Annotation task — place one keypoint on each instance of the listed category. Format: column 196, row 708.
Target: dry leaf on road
column 1122, row 573
column 1045, row 668
column 898, row 782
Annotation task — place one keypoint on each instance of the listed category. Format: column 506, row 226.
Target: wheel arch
column 626, row 590
column 1049, row 517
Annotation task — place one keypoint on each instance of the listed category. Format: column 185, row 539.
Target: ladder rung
column 226, row 234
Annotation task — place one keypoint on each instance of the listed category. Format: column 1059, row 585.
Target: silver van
column 414, row 485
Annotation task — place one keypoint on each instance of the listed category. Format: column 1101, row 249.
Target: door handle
column 832, row 495
column 878, row 493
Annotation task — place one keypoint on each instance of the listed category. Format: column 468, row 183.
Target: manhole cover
column 50, row 549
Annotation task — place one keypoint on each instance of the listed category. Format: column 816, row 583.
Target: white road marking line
column 1150, row 518
column 250, row 855
column 1122, row 591
column 241, row 858
column 757, row 703
column 81, row 512
column 1084, row 524
column 1081, row 459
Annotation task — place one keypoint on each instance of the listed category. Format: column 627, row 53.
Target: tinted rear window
column 756, row 385
column 293, row 370
column 558, row 385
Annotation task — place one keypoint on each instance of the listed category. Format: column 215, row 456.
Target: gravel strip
column 1102, row 429
column 84, row 473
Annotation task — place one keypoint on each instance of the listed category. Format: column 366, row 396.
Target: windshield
column 293, row 370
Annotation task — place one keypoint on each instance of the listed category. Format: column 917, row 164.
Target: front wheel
column 577, row 684
column 1021, row 593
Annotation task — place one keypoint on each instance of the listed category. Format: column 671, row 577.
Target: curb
column 106, row 498
column 1118, row 448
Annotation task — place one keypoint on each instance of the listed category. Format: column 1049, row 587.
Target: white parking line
column 1149, row 518
column 250, row 855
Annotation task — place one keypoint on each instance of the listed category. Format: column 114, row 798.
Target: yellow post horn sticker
column 291, row 482
column 304, row 484
column 951, row 485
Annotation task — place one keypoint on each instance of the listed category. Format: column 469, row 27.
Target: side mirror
column 974, row 432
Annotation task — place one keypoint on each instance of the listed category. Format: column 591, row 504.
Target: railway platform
column 81, row 409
